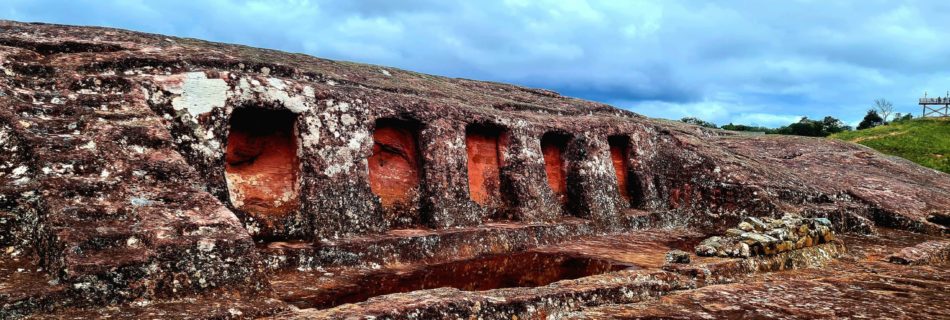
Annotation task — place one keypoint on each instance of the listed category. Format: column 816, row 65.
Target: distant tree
column 804, row 127
column 901, row 118
column 884, row 108
column 871, row 120
column 742, row 127
column 832, row 125
column 699, row 122
column 814, row 128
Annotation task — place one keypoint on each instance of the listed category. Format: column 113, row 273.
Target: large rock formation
column 137, row 168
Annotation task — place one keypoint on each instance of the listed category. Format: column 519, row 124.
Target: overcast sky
column 751, row 62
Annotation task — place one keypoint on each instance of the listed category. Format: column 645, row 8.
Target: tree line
column 876, row 116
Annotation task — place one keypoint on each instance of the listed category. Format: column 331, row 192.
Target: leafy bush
column 804, row 127
column 871, row 120
column 900, row 118
column 745, row 128
column 814, row 128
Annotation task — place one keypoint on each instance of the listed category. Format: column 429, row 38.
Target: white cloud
column 725, row 61
column 765, row 119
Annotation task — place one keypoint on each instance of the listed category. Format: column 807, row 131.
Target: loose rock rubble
column 677, row 256
column 765, row 236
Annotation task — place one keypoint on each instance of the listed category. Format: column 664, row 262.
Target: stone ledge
column 415, row 245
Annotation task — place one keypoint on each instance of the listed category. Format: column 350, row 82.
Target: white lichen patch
column 358, row 139
column 342, row 124
column 58, row 169
column 335, row 169
column 206, row 245
column 209, row 149
column 7, row 71
column 133, row 242
column 197, row 93
column 89, row 146
column 276, row 83
column 347, row 120
column 18, row 171
column 284, row 92
column 310, row 138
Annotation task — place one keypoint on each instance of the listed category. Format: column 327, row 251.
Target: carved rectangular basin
column 523, row 269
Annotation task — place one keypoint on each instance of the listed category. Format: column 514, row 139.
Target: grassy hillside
column 924, row 141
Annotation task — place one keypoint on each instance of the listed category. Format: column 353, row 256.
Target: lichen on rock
column 130, row 187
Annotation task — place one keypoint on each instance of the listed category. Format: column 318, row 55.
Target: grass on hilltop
column 924, row 141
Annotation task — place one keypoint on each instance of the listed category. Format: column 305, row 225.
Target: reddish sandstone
column 261, row 163
column 394, row 165
column 484, row 161
column 619, row 151
column 553, row 146
column 127, row 179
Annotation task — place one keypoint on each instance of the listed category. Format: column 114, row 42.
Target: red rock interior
column 484, row 160
column 619, row 148
column 394, row 165
column 110, row 198
column 553, row 146
column 261, row 162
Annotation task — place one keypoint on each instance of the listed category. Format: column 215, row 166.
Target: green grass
column 924, row 141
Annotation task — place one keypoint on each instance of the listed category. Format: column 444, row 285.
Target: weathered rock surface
column 128, row 177
column 860, row 285
column 930, row 252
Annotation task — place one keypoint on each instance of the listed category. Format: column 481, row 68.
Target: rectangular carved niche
column 395, row 165
column 553, row 146
column 261, row 162
column 482, row 144
column 619, row 155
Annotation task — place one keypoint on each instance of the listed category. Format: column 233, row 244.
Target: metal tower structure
column 935, row 107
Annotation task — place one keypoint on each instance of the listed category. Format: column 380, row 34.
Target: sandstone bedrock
column 138, row 170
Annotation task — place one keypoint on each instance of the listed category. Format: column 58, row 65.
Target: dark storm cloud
column 754, row 62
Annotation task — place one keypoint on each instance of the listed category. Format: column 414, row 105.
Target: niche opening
column 619, row 155
column 395, row 165
column 482, row 144
column 261, row 161
column 553, row 146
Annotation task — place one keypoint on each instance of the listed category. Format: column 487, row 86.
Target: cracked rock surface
column 143, row 175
